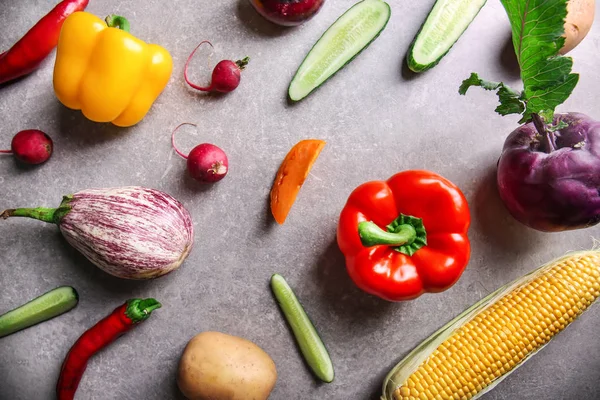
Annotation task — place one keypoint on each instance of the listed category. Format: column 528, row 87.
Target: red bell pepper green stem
column 28, row 53
column 372, row 235
column 121, row 320
column 406, row 234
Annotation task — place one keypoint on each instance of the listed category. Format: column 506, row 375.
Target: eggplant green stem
column 117, row 21
column 243, row 62
column 50, row 215
column 41, row 213
column 139, row 310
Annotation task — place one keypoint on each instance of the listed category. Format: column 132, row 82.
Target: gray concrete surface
column 377, row 120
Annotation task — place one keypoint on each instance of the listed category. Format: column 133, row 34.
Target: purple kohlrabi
column 552, row 182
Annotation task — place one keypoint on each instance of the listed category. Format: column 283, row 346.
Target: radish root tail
column 173, row 138
column 187, row 63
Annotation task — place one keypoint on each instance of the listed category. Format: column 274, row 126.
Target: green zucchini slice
column 42, row 308
column 343, row 41
column 445, row 24
column 308, row 339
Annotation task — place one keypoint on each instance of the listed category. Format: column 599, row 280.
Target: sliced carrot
column 291, row 175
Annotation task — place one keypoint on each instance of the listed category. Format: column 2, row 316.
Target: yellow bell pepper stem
column 106, row 72
column 116, row 21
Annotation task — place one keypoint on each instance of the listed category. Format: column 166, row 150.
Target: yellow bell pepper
column 107, row 73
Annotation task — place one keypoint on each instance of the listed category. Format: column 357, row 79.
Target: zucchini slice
column 344, row 40
column 42, row 308
column 444, row 25
column 308, row 339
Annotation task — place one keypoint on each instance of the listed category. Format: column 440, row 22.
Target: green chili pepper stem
column 372, row 235
column 139, row 310
column 243, row 62
column 117, row 21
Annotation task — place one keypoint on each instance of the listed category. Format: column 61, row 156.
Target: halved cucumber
column 343, row 41
column 308, row 339
column 443, row 27
column 48, row 305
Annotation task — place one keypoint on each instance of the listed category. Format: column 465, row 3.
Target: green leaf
column 475, row 80
column 544, row 101
column 537, row 34
column 510, row 99
column 510, row 102
column 560, row 125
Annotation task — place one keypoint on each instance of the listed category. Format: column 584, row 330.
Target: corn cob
column 475, row 351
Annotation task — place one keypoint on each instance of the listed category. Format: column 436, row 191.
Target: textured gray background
column 377, row 120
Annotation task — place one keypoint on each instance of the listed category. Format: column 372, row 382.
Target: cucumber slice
column 344, row 40
column 45, row 307
column 308, row 339
column 443, row 27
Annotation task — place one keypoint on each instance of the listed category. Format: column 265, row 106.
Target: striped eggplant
column 129, row 232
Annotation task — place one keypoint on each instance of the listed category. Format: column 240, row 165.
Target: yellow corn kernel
column 506, row 332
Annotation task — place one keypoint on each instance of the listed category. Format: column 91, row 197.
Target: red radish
column 206, row 162
column 30, row 147
column 225, row 76
column 287, row 12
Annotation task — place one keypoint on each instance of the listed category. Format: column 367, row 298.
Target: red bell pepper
column 121, row 320
column 424, row 247
column 28, row 53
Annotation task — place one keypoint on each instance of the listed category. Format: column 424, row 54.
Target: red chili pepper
column 28, row 53
column 405, row 261
column 121, row 320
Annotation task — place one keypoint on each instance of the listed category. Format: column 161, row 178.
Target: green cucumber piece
column 308, row 339
column 344, row 40
column 45, row 307
column 446, row 22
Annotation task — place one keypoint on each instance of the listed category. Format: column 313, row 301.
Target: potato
column 216, row 366
column 580, row 15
